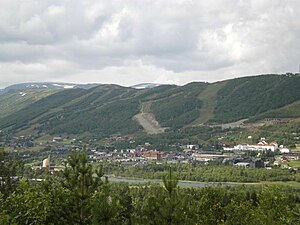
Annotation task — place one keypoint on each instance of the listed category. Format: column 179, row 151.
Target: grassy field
column 294, row 163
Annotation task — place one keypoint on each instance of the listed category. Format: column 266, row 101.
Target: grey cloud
column 175, row 41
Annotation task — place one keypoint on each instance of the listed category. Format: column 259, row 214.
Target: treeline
column 203, row 173
column 49, row 202
column 80, row 196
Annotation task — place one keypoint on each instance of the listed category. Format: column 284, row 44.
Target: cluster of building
column 192, row 154
column 128, row 155
column 260, row 146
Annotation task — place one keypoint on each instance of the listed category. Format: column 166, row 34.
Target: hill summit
column 107, row 109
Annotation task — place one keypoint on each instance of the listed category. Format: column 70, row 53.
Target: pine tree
column 105, row 206
column 171, row 201
column 79, row 177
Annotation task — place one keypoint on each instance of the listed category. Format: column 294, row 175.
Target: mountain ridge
column 107, row 109
column 47, row 85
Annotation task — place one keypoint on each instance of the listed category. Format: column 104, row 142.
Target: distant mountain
column 108, row 109
column 46, row 85
column 145, row 85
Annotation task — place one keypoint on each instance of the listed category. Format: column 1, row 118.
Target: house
column 153, row 154
column 193, row 147
column 260, row 146
column 225, row 144
column 284, row 150
column 208, row 157
column 242, row 164
column 57, row 139
column 291, row 157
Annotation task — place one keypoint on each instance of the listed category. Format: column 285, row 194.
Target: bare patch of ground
column 233, row 124
column 149, row 123
column 147, row 120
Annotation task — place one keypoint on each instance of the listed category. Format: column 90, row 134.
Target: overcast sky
column 130, row 42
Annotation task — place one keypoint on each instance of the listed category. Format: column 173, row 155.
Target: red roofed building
column 153, row 154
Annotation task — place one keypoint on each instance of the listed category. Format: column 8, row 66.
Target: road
column 180, row 183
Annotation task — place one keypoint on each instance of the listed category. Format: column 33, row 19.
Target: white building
column 242, row 164
column 193, row 147
column 284, row 149
column 261, row 146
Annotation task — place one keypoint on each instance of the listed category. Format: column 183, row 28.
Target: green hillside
column 102, row 110
column 180, row 107
column 288, row 111
column 250, row 96
column 15, row 100
column 109, row 109
column 25, row 116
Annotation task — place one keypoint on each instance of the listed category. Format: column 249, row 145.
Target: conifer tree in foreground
column 79, row 178
column 171, row 201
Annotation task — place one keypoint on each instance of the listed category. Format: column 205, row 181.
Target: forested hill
column 108, row 109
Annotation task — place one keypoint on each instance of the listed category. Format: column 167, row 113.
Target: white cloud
column 133, row 41
column 54, row 10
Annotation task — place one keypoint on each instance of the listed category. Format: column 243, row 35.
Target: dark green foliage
column 81, row 198
column 244, row 97
column 289, row 111
column 11, row 171
column 111, row 118
column 29, row 205
column 80, row 181
column 173, row 112
column 105, row 207
column 170, row 182
column 204, row 173
column 179, row 108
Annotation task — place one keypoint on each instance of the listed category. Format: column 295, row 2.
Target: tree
column 105, row 207
column 27, row 205
column 170, row 182
column 10, row 173
column 80, row 179
column 171, row 201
